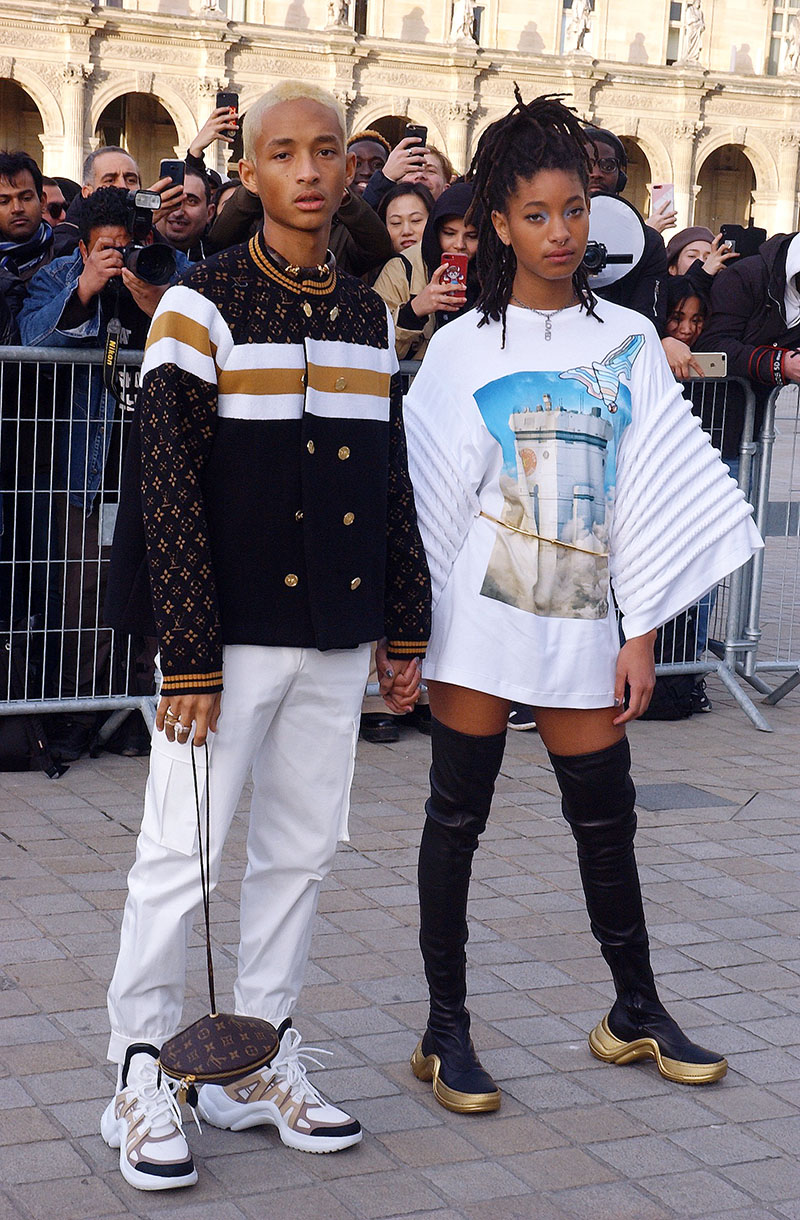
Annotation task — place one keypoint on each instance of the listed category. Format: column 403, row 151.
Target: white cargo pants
column 289, row 715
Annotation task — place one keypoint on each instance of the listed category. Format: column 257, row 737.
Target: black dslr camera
column 155, row 264
column 595, row 259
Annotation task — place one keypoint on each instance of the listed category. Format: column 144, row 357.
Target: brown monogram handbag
column 221, row 1047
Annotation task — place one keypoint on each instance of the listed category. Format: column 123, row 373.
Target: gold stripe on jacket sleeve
column 173, row 325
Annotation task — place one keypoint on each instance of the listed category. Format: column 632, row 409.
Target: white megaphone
column 616, row 240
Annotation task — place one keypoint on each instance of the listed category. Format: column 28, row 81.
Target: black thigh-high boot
column 598, row 803
column 463, row 774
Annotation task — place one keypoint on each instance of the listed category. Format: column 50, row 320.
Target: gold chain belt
column 569, row 546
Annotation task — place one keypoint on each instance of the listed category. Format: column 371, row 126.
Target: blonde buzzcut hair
column 286, row 91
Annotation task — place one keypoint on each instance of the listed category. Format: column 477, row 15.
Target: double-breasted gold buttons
column 290, row 579
column 310, row 446
column 343, row 454
column 348, row 518
column 355, row 582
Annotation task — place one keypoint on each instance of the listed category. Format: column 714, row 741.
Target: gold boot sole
column 604, row 1045
column 428, row 1067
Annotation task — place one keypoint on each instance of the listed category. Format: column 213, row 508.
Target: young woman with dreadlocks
column 553, row 457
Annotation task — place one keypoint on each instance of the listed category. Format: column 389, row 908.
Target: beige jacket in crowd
column 393, row 286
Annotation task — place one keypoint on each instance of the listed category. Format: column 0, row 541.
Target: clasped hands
column 399, row 685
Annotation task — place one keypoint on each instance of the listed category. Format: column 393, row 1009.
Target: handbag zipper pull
column 187, row 1092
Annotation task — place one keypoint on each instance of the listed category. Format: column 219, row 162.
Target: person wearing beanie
column 695, row 252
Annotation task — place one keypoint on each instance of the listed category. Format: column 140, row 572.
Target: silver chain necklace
column 547, row 314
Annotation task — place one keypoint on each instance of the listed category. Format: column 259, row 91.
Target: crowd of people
column 291, row 511
column 404, row 213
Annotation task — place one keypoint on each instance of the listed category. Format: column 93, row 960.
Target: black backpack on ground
column 23, row 740
column 675, row 642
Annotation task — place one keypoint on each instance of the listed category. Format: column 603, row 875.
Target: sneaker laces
column 291, row 1066
column 158, row 1103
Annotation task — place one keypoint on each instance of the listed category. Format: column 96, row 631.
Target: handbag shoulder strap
column 205, row 861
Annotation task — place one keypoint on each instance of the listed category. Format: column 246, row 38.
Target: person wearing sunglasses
column 55, row 205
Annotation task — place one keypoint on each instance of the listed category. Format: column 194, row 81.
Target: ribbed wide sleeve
column 680, row 522
column 445, row 494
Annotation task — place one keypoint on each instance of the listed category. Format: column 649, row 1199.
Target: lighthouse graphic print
column 559, row 433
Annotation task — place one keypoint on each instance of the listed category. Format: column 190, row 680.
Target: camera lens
column 595, row 258
column 154, row 264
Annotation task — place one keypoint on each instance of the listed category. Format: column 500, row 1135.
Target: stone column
column 683, row 145
column 74, row 77
column 784, row 217
column 458, row 117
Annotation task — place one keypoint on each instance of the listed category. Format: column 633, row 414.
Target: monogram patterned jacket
column 276, row 499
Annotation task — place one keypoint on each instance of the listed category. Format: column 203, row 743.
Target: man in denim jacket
column 69, row 304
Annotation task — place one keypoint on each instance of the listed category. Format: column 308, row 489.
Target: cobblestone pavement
column 719, row 854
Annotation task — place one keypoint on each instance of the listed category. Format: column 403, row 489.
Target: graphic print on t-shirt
column 559, row 433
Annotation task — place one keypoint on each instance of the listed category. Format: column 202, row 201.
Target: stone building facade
column 705, row 93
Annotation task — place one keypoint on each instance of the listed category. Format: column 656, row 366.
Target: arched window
column 20, row 121
column 140, row 124
column 640, row 175
column 727, row 181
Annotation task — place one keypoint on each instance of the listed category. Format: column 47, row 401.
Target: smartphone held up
column 456, row 273
column 662, row 196
column 174, row 170
column 227, row 97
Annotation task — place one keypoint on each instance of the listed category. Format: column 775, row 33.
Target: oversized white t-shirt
column 547, row 471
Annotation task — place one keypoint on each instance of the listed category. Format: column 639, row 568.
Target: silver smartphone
column 713, row 364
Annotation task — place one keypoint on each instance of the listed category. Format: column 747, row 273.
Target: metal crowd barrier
column 713, row 636
column 771, row 614
column 57, row 656
column 54, row 558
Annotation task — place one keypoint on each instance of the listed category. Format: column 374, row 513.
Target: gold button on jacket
column 340, row 383
column 355, row 582
column 299, row 515
column 343, row 454
column 290, row 579
column 349, row 518
column 310, row 446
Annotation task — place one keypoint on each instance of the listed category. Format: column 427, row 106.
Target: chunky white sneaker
column 143, row 1120
column 282, row 1095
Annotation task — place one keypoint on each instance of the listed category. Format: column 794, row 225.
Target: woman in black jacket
column 755, row 320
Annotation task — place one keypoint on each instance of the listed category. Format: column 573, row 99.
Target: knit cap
column 685, row 238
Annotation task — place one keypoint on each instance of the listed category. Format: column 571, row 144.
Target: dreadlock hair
column 541, row 134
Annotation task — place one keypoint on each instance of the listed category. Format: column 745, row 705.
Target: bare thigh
column 468, row 711
column 578, row 730
column 563, row 730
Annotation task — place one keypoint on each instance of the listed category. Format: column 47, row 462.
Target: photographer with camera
column 115, row 278
column 108, row 166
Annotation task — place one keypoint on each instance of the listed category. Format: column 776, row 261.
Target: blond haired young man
column 281, row 539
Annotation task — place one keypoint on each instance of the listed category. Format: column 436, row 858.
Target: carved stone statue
column 578, row 27
column 338, row 12
column 692, row 30
column 463, row 21
column 791, row 56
